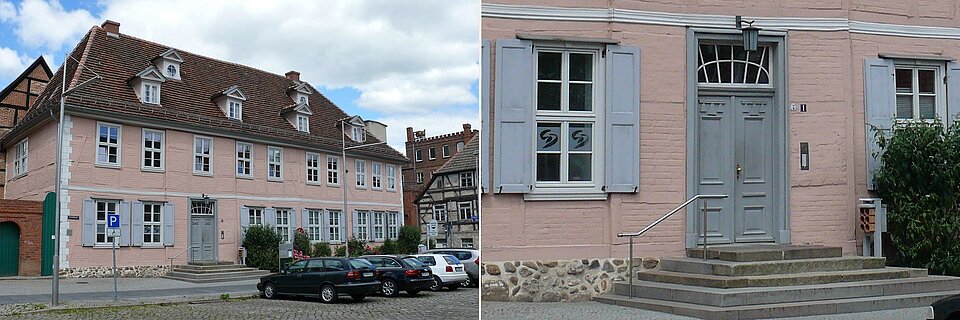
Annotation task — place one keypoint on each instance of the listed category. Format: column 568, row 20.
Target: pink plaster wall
column 825, row 71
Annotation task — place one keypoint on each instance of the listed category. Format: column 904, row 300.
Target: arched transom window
column 731, row 64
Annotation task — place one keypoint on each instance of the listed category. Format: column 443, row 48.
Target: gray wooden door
column 735, row 157
column 202, row 238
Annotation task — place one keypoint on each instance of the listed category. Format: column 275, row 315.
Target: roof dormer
column 146, row 85
column 168, row 63
column 298, row 115
column 300, row 92
column 355, row 128
column 230, row 101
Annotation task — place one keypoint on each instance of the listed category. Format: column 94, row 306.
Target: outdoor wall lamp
column 750, row 34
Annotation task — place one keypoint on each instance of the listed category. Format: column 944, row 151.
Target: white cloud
column 12, row 64
column 45, row 24
column 7, row 11
column 436, row 123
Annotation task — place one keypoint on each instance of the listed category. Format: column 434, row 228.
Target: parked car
column 447, row 270
column 471, row 263
column 401, row 274
column 946, row 309
column 329, row 278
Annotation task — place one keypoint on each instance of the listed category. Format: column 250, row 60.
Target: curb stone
column 89, row 305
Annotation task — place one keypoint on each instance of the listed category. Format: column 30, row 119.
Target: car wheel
column 328, row 294
column 389, row 288
column 437, row 284
column 467, row 283
column 357, row 297
column 269, row 291
column 453, row 287
column 412, row 292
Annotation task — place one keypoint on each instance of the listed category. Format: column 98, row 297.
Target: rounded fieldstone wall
column 107, row 272
column 555, row 280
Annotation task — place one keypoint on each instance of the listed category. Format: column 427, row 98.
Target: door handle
column 739, row 169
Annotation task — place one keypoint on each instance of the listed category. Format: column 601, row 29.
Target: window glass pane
column 549, row 65
column 581, row 67
column 580, row 167
column 580, row 137
column 927, row 82
column 548, row 167
column 905, row 106
column 739, row 72
column 548, row 137
column 548, row 96
column 928, row 107
column 904, row 79
column 725, row 54
column 581, row 97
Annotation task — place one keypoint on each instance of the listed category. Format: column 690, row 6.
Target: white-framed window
column 20, row 158
column 303, row 123
column 313, row 167
column 333, row 171
column 313, row 224
column 153, row 144
column 172, row 71
column 361, row 167
column 283, row 224
column 465, row 210
column 376, row 174
column 303, row 99
column 378, row 220
column 466, row 242
column 566, row 116
column 919, row 91
column 152, row 223
column 104, row 208
column 333, row 224
column 440, row 212
column 202, row 155
column 151, row 93
column 418, row 155
column 419, row 177
column 274, row 163
column 393, row 225
column 255, row 216
column 466, row 179
column 235, row 109
column 244, row 159
column 357, row 134
column 445, row 151
column 362, row 221
column 432, row 153
column 459, row 146
column 108, row 144
column 391, row 177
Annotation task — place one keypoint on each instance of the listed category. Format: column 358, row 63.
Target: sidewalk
column 18, row 291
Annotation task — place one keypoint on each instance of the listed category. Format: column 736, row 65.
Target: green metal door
column 9, row 249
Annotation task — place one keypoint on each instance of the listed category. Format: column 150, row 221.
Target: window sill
column 154, row 170
column 558, row 195
column 392, row 190
column 107, row 165
column 245, row 177
column 376, row 189
column 275, row 179
column 106, row 246
column 152, row 246
column 314, row 184
column 203, row 174
column 333, row 185
column 362, row 188
column 16, row 177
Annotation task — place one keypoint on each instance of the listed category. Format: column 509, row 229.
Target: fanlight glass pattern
column 201, row 207
column 731, row 64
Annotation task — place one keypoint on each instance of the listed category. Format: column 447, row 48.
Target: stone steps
column 780, row 310
column 765, row 252
column 214, row 273
column 794, row 279
column 772, row 295
column 757, row 268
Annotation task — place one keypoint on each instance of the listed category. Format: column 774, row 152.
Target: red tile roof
column 188, row 101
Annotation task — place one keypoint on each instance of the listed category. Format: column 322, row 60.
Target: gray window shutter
column 325, row 226
column 879, row 108
column 622, row 152
column 356, row 230
column 136, row 228
column 485, row 116
column 293, row 224
column 89, row 222
column 343, row 227
column 953, row 93
column 244, row 222
column 305, row 220
column 168, row 216
column 513, row 116
column 270, row 216
column 124, row 223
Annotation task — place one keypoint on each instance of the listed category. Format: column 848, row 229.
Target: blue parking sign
column 113, row 221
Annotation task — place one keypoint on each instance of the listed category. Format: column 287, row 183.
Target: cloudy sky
column 404, row 63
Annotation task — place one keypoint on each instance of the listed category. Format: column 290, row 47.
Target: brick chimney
column 467, row 133
column 293, row 75
column 409, row 134
column 111, row 27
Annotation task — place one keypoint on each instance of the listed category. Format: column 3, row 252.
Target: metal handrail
column 664, row 217
column 177, row 255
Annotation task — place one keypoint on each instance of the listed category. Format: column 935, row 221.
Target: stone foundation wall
column 107, row 272
column 555, row 280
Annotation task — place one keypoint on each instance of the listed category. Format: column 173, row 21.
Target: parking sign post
column 113, row 232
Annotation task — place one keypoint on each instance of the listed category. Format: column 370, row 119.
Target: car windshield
column 452, row 260
column 361, row 264
column 413, row 263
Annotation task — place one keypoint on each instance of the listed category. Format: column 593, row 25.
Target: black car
column 327, row 277
column 401, row 274
column 947, row 308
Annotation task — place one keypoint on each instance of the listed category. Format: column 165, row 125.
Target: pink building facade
column 186, row 190
column 626, row 109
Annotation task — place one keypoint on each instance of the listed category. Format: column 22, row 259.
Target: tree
column 301, row 242
column 321, row 249
column 262, row 245
column 409, row 239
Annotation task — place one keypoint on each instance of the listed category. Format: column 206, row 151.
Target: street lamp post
column 343, row 166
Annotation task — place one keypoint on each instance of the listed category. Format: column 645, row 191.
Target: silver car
column 471, row 262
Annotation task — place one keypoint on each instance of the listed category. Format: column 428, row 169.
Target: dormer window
column 146, row 85
column 151, row 93
column 169, row 62
column 357, row 134
column 172, row 71
column 303, row 123
column 235, row 109
column 303, row 99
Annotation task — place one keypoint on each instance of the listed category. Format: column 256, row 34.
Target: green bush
column 409, row 239
column 321, row 249
column 389, row 247
column 341, row 251
column 919, row 181
column 359, row 247
column 261, row 243
column 301, row 242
